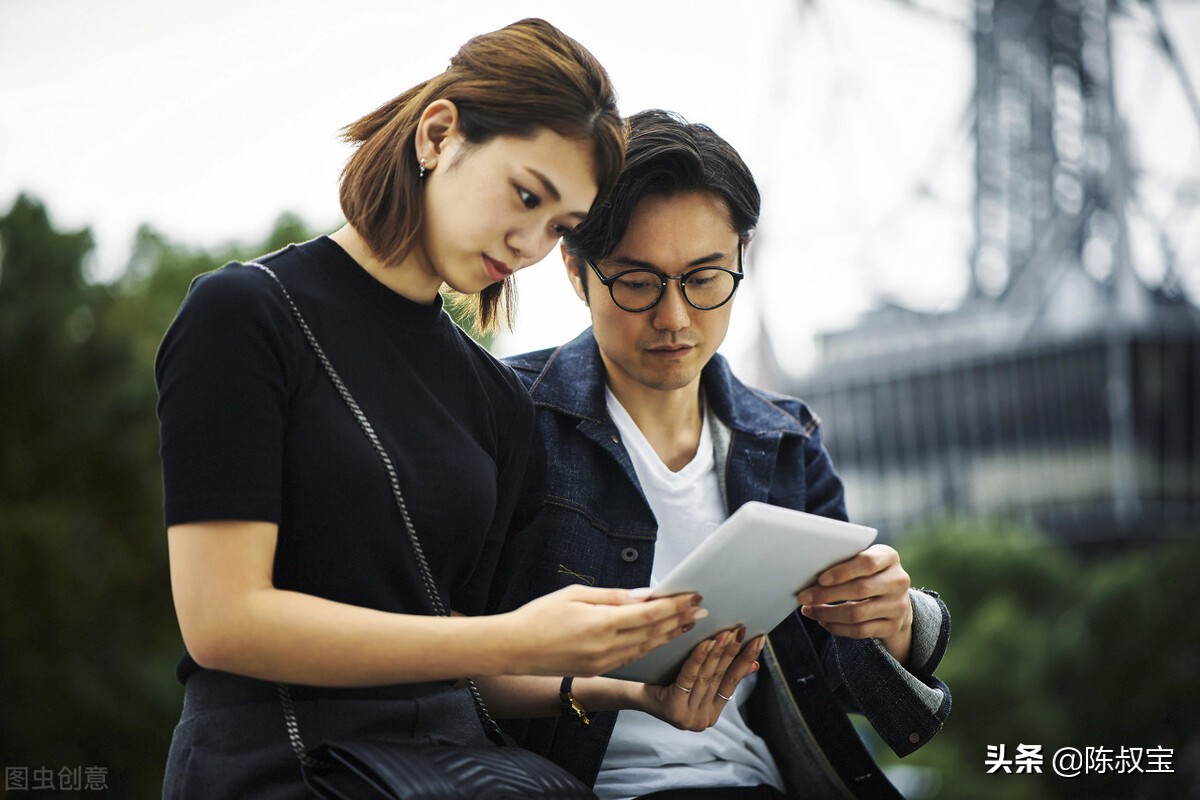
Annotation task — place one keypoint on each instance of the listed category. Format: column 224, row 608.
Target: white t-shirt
column 646, row 754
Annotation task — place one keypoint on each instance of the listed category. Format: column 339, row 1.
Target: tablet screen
column 748, row 572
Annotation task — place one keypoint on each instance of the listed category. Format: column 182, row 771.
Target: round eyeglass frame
column 662, row 285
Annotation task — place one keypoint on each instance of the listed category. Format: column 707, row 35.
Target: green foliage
column 1061, row 649
column 85, row 611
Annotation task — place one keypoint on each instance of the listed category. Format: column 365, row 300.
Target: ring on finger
column 683, row 689
column 723, row 697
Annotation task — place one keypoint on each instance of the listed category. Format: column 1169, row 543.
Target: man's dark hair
column 667, row 155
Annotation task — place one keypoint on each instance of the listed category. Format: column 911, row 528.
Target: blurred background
column 979, row 262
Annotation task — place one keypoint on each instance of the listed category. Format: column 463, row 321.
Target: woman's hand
column 865, row 596
column 582, row 630
column 706, row 681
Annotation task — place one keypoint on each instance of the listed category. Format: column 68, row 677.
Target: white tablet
column 748, row 572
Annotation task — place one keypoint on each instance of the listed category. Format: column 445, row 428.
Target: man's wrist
column 899, row 645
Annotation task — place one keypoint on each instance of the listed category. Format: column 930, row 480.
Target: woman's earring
column 424, row 169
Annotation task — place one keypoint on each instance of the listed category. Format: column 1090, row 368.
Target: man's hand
column 866, row 596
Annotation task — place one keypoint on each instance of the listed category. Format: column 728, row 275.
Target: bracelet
column 568, row 706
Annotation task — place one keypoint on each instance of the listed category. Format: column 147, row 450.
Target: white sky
column 206, row 120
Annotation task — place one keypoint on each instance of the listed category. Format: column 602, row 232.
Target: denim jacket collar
column 572, row 382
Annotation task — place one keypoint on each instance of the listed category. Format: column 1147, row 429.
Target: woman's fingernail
column 699, row 614
column 640, row 594
column 741, row 634
column 696, row 600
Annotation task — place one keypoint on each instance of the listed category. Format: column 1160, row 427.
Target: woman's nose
column 529, row 245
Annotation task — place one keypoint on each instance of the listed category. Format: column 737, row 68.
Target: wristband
column 568, row 706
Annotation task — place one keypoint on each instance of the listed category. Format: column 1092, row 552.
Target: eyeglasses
column 641, row 288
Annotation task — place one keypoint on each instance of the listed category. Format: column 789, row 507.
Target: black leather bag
column 364, row 769
column 361, row 769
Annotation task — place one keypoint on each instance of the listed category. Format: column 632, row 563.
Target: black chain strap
column 293, row 730
column 489, row 725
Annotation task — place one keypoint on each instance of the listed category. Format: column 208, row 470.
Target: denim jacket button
column 914, row 737
column 629, row 554
column 615, row 439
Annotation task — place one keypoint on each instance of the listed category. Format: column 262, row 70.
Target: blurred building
column 1063, row 391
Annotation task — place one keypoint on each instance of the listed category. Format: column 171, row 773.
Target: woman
column 289, row 559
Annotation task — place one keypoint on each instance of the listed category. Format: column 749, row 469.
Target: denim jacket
column 596, row 528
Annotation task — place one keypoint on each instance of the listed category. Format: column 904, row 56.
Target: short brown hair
column 514, row 81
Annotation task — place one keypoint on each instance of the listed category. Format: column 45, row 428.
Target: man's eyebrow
column 552, row 190
column 626, row 261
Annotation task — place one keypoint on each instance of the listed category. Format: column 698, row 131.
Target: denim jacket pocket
column 582, row 548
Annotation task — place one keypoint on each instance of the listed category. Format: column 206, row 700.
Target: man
column 651, row 442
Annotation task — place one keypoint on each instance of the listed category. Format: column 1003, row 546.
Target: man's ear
column 437, row 128
column 572, row 264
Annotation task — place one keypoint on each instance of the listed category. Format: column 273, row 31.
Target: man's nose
column 672, row 312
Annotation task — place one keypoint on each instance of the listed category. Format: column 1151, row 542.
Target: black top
column 253, row 429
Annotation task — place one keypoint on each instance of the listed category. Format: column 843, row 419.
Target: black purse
column 361, row 769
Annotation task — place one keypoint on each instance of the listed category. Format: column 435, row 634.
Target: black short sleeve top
column 253, row 429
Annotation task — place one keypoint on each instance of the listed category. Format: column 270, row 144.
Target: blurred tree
column 85, row 610
column 1125, row 664
column 1060, row 649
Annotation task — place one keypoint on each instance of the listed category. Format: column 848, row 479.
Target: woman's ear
column 572, row 264
column 437, row 128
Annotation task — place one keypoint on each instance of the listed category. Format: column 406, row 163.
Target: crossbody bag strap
column 489, row 725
